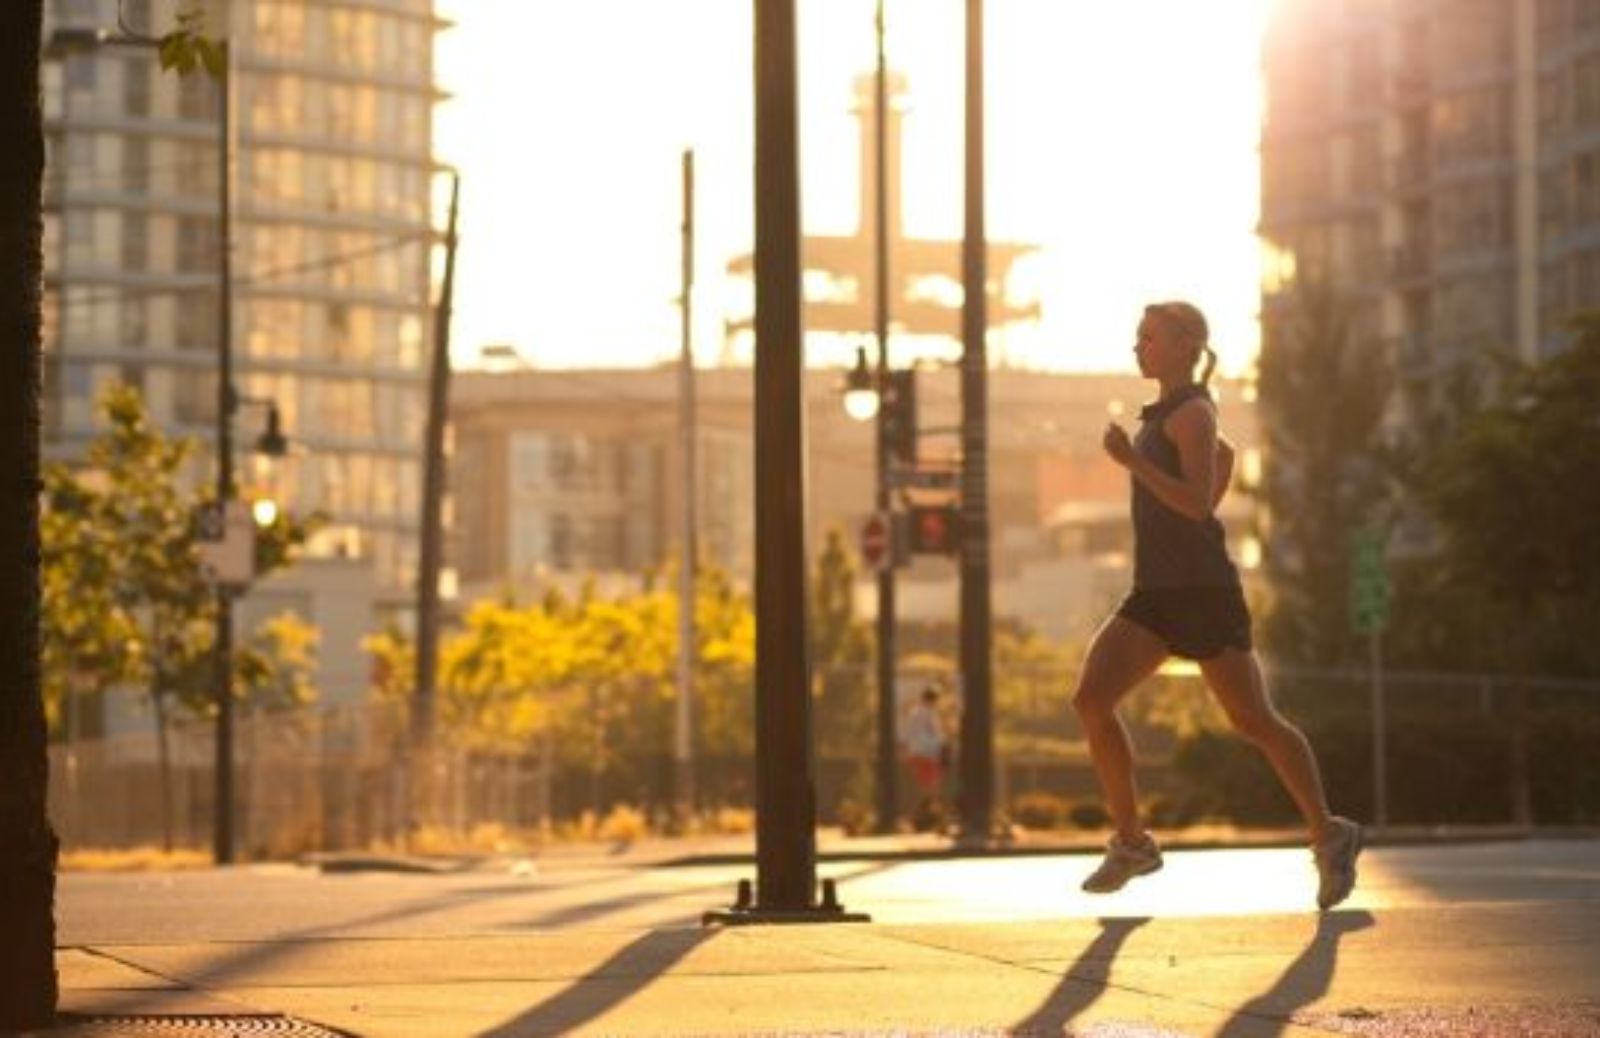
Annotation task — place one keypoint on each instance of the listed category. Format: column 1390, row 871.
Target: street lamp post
column 887, row 800
column 786, row 879
column 977, row 733
column 71, row 39
column 222, row 835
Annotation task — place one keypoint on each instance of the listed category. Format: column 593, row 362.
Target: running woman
column 1187, row 602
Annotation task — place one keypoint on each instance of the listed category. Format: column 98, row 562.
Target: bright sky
column 1122, row 140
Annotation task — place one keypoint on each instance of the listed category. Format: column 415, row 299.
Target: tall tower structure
column 924, row 273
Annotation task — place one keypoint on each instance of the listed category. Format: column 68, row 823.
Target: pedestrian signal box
column 935, row 530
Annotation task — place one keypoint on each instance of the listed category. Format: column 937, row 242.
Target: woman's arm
column 1193, row 429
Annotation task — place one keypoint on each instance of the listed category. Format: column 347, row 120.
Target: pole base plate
column 745, row 912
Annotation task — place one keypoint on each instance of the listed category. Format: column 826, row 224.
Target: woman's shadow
column 1082, row 982
column 1305, row 980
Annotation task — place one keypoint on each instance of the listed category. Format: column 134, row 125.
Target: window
column 136, row 164
column 197, row 98
column 197, row 251
column 280, row 26
column 1586, row 90
column 136, row 87
column 135, row 241
column 194, row 396
column 195, row 321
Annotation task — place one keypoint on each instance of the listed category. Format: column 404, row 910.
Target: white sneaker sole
column 1142, row 870
column 1349, row 884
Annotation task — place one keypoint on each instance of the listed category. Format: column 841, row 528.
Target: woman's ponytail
column 1210, row 365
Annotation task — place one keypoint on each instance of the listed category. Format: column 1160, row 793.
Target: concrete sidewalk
column 1486, row 968
column 835, row 846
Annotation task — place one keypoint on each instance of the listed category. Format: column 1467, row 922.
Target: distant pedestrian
column 927, row 753
column 1187, row 601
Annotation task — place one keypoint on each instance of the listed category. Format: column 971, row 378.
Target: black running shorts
column 1197, row 623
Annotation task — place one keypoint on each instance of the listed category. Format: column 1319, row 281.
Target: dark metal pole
column 431, row 550
column 683, row 742
column 887, row 799
column 222, row 835
column 977, row 731
column 785, row 808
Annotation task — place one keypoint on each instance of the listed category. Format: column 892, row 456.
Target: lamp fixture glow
column 860, row 390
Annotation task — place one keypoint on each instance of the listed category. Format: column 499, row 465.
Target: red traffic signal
column 935, row 529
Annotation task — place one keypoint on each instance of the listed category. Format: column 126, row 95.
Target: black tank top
column 1171, row 549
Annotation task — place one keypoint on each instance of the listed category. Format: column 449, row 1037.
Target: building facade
column 564, row 476
column 332, row 188
column 1439, row 160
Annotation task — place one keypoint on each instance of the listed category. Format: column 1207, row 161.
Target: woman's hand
column 1117, row 444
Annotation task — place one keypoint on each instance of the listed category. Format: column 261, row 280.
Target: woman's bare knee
column 1260, row 726
column 1094, row 703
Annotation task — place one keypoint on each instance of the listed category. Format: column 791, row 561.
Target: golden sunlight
column 1122, row 141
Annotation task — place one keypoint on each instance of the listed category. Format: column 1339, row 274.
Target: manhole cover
column 91, row 1026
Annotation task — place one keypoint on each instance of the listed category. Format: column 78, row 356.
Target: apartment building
column 333, row 178
column 564, row 476
column 1440, row 160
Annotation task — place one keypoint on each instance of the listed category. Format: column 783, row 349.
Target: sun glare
column 1122, row 139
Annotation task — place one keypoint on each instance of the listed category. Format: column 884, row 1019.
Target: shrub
column 1445, row 766
column 624, row 824
column 1038, row 810
column 734, row 821
column 853, row 818
column 1089, row 814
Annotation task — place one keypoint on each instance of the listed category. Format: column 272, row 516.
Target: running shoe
column 1123, row 861
column 1336, row 856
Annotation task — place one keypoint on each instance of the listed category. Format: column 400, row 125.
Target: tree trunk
column 27, row 844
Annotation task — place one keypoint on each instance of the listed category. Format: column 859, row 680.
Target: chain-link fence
column 1458, row 749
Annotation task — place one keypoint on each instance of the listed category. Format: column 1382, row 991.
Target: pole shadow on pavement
column 1083, row 981
column 625, row 974
column 1305, row 980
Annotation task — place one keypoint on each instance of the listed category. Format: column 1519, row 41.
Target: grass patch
column 132, row 859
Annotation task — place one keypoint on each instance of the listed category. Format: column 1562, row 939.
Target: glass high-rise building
column 333, row 185
column 1440, row 161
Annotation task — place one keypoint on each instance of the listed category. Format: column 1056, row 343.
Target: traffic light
column 935, row 529
column 900, row 416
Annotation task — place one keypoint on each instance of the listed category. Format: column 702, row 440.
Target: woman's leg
column 1235, row 678
column 1122, row 655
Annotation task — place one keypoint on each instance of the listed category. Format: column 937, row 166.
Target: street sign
column 230, row 560
column 923, row 479
column 875, row 541
column 1369, row 581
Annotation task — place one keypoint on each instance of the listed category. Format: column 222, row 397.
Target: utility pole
column 431, row 550
column 222, row 830
column 888, row 801
column 683, row 743
column 786, row 877
column 977, row 729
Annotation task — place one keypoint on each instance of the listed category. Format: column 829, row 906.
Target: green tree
column 842, row 680
column 28, row 987
column 89, row 640
column 1322, row 395
column 127, row 522
column 1511, row 492
column 1032, row 690
column 278, row 662
column 725, row 670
